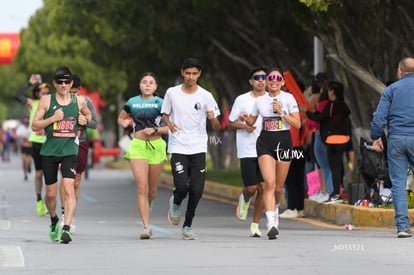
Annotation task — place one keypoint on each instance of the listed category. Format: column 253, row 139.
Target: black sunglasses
column 58, row 81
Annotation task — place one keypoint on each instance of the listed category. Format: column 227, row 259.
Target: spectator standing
column 333, row 118
column 7, row 141
column 320, row 86
column 394, row 111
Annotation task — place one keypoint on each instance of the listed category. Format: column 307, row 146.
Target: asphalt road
column 106, row 240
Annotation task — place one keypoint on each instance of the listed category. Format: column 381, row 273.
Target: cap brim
column 63, row 76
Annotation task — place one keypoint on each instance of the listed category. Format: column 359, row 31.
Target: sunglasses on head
column 276, row 77
column 58, row 81
column 259, row 77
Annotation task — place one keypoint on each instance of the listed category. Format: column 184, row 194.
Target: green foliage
column 319, row 5
column 410, row 197
column 3, row 112
column 225, row 177
column 109, row 44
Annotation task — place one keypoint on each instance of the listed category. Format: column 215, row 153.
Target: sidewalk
column 338, row 214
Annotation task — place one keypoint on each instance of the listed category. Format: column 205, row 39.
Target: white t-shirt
column 263, row 107
column 189, row 113
column 23, row 131
column 245, row 141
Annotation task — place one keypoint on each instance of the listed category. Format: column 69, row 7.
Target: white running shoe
column 272, row 232
column 72, row 225
column 315, row 196
column 289, row 214
column 322, row 198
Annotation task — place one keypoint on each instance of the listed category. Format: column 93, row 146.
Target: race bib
column 272, row 123
column 65, row 127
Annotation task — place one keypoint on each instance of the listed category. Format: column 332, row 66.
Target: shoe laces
column 148, row 145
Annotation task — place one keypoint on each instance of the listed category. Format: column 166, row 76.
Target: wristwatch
column 283, row 114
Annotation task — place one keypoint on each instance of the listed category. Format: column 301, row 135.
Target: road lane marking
column 87, row 198
column 11, row 256
column 4, row 225
column 160, row 229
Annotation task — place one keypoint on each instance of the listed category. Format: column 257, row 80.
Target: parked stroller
column 373, row 167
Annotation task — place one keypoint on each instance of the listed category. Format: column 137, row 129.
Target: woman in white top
column 279, row 111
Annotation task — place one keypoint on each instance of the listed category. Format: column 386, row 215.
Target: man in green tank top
column 60, row 114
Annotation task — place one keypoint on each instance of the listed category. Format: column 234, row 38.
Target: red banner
column 9, row 43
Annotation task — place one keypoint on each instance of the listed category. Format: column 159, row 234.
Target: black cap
column 319, row 77
column 76, row 81
column 62, row 73
column 191, row 63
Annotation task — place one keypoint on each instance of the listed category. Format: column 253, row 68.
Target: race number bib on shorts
column 65, row 127
column 272, row 123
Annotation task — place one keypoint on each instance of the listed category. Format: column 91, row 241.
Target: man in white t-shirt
column 186, row 108
column 246, row 137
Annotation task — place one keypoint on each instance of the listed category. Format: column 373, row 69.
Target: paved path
column 107, row 229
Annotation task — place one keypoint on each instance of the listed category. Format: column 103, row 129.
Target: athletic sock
column 270, row 215
column 54, row 220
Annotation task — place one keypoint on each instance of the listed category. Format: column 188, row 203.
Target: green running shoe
column 243, row 208
column 65, row 236
column 41, row 209
column 254, row 230
column 54, row 232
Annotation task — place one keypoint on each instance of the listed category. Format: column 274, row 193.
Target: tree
column 111, row 43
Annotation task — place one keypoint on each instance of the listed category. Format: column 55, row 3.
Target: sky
column 15, row 14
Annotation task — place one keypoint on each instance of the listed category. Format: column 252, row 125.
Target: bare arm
column 250, row 119
column 38, row 122
column 293, row 119
column 171, row 125
column 85, row 114
column 124, row 119
column 241, row 126
column 213, row 120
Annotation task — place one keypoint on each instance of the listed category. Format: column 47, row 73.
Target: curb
column 337, row 214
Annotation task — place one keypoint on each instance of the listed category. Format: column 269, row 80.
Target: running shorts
column 154, row 151
column 277, row 144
